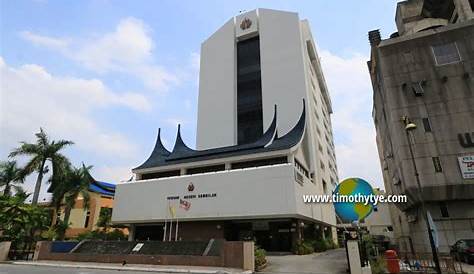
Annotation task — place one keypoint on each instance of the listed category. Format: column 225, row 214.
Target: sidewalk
column 136, row 267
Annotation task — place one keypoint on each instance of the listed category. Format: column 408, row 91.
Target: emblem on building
column 245, row 24
column 190, row 187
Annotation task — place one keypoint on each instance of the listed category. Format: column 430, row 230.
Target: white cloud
column 175, row 121
column 351, row 93
column 32, row 98
column 114, row 174
column 127, row 49
column 45, row 41
column 195, row 60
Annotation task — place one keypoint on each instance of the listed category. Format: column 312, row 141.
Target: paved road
column 332, row 261
column 31, row 269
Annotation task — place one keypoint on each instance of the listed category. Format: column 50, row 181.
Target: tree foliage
column 20, row 222
column 41, row 152
column 11, row 176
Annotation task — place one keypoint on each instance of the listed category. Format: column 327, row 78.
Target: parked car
column 463, row 250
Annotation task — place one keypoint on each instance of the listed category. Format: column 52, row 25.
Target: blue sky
column 107, row 74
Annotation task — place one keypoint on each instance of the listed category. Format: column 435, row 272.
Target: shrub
column 320, row 245
column 260, row 257
column 378, row 265
column 304, row 248
column 115, row 235
column 330, row 244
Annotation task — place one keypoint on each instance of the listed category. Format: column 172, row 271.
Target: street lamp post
column 409, row 127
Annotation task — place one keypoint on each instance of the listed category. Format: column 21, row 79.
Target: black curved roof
column 269, row 141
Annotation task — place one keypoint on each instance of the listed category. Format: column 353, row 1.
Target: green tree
column 105, row 218
column 41, row 152
column 19, row 221
column 11, row 176
column 74, row 182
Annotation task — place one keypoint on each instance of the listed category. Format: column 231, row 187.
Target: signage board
column 466, row 165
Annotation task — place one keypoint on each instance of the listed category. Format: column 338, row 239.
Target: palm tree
column 42, row 151
column 74, row 183
column 10, row 175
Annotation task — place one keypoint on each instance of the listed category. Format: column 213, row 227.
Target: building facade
column 83, row 219
column 424, row 74
column 264, row 139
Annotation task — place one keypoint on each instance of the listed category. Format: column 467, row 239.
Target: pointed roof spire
column 180, row 148
column 159, row 154
column 294, row 136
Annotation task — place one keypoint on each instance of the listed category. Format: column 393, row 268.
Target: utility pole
column 409, row 127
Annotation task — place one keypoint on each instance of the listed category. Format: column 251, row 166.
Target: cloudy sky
column 107, row 74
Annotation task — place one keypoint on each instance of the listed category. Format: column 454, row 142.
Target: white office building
column 264, row 139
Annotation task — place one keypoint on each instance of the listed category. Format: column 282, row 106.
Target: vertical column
column 464, row 9
column 131, row 233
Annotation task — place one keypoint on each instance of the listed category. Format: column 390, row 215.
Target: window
column 322, row 165
column 249, row 91
column 390, row 228
column 444, row 210
column 325, row 187
column 427, row 124
column 205, row 169
column 163, row 174
column 88, row 216
column 437, row 164
column 446, row 54
column 301, row 168
column 263, row 162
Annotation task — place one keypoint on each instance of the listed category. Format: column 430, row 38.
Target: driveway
column 332, row 261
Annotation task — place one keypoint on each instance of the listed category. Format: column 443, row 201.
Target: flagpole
column 176, row 232
column 164, row 229
column 171, row 224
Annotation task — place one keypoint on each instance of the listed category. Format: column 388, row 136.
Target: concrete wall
column 283, row 68
column 448, row 104
column 233, row 254
column 247, row 193
column 217, row 115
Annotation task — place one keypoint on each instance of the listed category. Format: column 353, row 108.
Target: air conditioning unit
column 396, row 180
column 418, row 89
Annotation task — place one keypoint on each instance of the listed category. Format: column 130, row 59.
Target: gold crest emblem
column 245, row 24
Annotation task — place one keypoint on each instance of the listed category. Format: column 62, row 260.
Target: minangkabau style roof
column 269, row 141
column 102, row 188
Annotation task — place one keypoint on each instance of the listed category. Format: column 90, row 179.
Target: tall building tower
column 423, row 75
column 264, row 139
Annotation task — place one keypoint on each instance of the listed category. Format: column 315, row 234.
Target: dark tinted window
column 163, row 174
column 446, row 54
column 444, row 210
column 437, row 164
column 427, row 124
column 249, row 91
column 263, row 162
column 205, row 169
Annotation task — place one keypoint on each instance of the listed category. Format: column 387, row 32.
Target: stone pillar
column 131, row 233
column 4, row 249
column 464, row 10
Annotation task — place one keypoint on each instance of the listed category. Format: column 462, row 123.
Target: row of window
column 216, row 168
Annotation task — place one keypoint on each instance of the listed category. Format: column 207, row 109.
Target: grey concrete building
column 425, row 73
